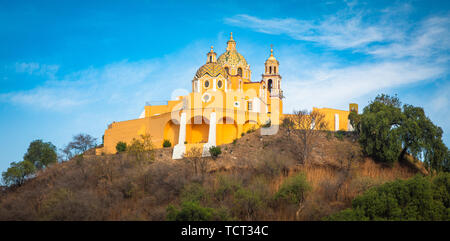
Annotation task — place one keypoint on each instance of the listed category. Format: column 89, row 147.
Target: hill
column 248, row 181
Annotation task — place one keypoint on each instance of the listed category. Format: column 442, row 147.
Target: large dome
column 232, row 58
column 212, row 69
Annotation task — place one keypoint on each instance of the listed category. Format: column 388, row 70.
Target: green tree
column 422, row 139
column 121, row 146
column 18, row 173
column 388, row 132
column 418, row 198
column 379, row 134
column 41, row 154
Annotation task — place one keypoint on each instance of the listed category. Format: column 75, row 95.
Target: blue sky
column 68, row 67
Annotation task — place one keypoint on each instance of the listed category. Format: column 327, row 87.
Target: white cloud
column 125, row 85
column 397, row 52
column 336, row 87
column 338, row 31
column 430, row 38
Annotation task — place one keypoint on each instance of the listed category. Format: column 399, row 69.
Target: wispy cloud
column 340, row 31
column 123, row 84
column 430, row 38
column 398, row 53
column 336, row 87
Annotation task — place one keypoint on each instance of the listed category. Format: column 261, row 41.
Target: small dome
column 212, row 69
column 271, row 59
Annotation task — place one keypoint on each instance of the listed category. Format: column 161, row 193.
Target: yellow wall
column 125, row 131
column 330, row 118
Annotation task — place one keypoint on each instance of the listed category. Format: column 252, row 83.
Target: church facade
column 223, row 104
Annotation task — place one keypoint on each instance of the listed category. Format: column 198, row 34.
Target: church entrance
column 197, row 133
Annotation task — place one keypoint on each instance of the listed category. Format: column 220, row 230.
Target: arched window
column 227, row 70
column 270, row 69
column 240, row 71
column 219, row 84
column 206, row 84
column 274, row 70
column 270, row 85
column 210, row 58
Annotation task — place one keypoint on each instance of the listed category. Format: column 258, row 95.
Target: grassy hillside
column 248, row 181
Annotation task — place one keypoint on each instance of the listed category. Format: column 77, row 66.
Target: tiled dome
column 212, row 69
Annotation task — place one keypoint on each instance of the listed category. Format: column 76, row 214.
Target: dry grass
column 117, row 187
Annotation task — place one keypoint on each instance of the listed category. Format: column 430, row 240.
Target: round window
column 206, row 97
column 219, row 84
column 206, row 84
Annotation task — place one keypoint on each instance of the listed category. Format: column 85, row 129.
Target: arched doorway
column 171, row 132
column 197, row 131
column 226, row 131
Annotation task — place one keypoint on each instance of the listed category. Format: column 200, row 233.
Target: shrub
column 142, row 149
column 339, row 135
column 215, row 151
column 294, row 189
column 193, row 193
column 247, row 203
column 226, row 186
column 193, row 211
column 130, row 189
column 272, row 165
column 418, row 198
column 167, row 143
column 121, row 146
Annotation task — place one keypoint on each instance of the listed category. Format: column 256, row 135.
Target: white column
column 212, row 129
column 179, row 149
column 211, row 135
column 182, row 134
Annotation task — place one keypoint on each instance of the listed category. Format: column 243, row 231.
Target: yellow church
column 223, row 104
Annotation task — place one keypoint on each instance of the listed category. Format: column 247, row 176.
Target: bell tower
column 212, row 56
column 271, row 76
